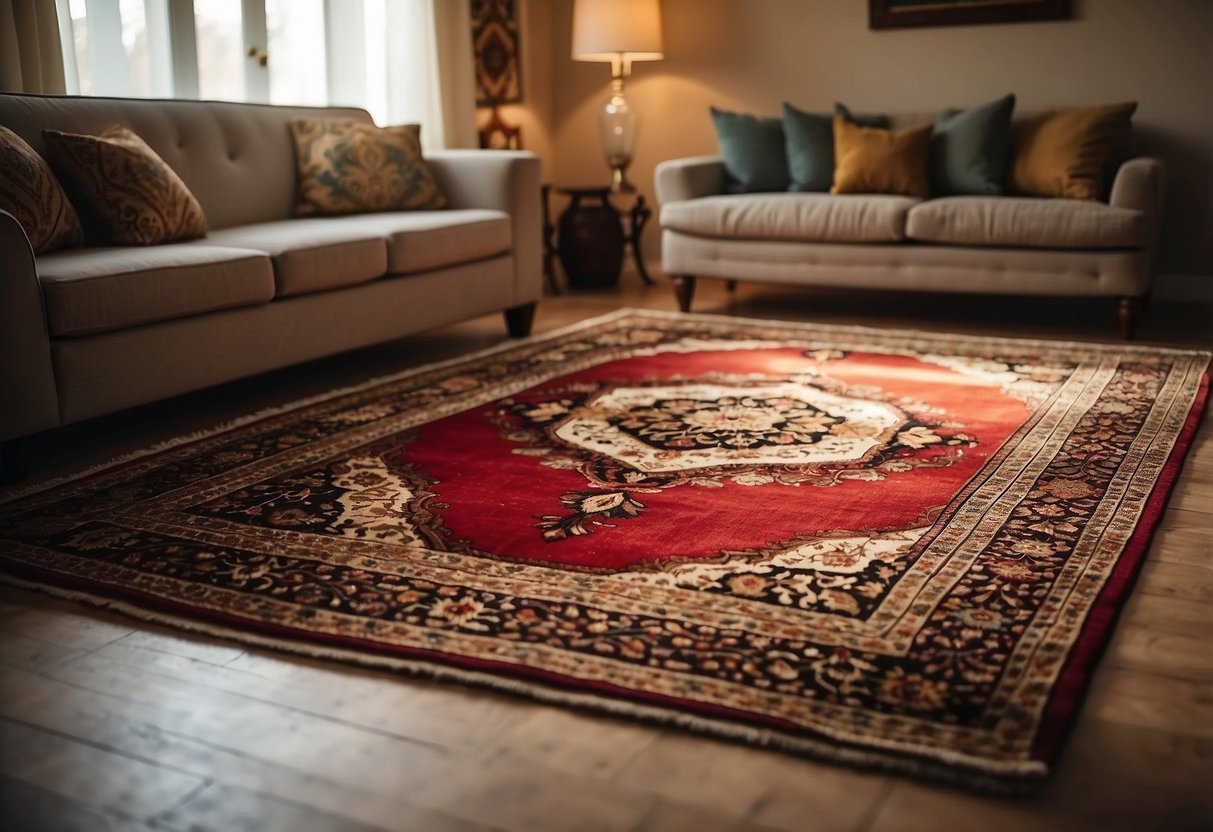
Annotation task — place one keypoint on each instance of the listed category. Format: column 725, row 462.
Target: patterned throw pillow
column 32, row 194
column 354, row 168
column 126, row 193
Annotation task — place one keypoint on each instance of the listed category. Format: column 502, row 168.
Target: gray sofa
column 990, row 245
column 89, row 331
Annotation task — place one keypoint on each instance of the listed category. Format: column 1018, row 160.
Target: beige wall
column 752, row 55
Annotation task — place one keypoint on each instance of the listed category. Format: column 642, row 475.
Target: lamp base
column 620, row 183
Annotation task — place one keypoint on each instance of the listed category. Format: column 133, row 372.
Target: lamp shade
column 603, row 30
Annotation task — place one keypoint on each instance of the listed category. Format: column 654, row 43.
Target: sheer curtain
column 424, row 70
column 31, row 59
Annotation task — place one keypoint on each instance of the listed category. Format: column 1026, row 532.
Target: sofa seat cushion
column 423, row 240
column 798, row 217
column 102, row 289
column 311, row 254
column 1025, row 222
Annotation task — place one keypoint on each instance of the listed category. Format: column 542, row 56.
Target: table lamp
column 618, row 31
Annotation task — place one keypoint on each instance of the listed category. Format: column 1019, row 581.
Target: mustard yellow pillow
column 32, row 194
column 125, row 192
column 1064, row 152
column 872, row 160
column 353, row 168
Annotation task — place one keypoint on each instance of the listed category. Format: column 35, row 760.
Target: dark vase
column 591, row 241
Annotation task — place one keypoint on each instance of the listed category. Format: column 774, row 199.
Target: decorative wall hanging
column 892, row 14
column 498, row 70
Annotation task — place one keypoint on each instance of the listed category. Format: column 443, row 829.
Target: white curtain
column 31, row 57
column 425, row 73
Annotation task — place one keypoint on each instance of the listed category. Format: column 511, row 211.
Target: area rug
column 895, row 549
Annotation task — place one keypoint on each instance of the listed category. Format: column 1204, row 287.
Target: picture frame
column 896, row 14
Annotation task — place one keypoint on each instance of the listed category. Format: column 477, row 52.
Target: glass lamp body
column 617, row 123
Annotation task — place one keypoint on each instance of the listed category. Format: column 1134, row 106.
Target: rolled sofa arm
column 505, row 180
column 28, row 400
column 695, row 176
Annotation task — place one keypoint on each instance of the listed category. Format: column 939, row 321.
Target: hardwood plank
column 1148, row 700
column 1191, row 545
column 60, row 622
column 524, row 796
column 419, row 710
column 91, row 776
column 1161, row 613
column 33, row 654
column 574, row 741
column 1171, row 654
column 149, row 732
column 221, row 807
column 1177, row 580
column 29, row 808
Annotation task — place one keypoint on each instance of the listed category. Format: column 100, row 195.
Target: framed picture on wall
column 893, row 14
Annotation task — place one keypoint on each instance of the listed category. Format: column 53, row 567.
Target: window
column 376, row 54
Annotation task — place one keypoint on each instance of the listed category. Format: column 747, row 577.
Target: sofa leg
column 519, row 319
column 1127, row 310
column 684, row 290
column 14, row 460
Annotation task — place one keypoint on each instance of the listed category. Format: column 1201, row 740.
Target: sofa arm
column 505, row 180
column 28, row 398
column 1139, row 185
column 696, row 176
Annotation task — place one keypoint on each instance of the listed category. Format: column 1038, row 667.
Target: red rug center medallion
column 757, row 451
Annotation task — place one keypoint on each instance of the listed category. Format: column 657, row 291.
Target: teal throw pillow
column 810, row 145
column 753, row 151
column 970, row 150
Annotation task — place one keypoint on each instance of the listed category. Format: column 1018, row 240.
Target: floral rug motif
column 888, row 548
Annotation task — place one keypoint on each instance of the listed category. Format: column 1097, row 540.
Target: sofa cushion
column 809, row 140
column 126, row 194
column 798, row 217
column 32, row 194
column 1023, row 222
column 101, row 289
column 969, row 149
column 753, row 149
column 1064, row 152
column 422, row 240
column 872, row 160
column 311, row 254
column 348, row 168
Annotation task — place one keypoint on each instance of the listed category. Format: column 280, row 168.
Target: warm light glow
column 617, row 30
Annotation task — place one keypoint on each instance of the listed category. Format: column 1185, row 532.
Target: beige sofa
column 90, row 331
column 989, row 245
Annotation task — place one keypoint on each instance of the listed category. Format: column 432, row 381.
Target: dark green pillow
column 752, row 147
column 810, row 145
column 970, row 149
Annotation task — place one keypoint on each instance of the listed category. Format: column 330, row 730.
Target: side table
column 592, row 238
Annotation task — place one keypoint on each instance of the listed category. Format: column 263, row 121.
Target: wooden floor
column 106, row 723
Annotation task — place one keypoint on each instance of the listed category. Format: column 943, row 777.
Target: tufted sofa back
column 238, row 159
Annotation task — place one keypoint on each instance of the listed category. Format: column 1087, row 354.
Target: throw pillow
column 753, row 151
column 126, row 193
column 969, row 149
column 1064, row 152
column 871, row 160
column 347, row 167
column 31, row 193
column 809, row 141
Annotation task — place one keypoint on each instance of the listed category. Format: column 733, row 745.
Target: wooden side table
column 592, row 237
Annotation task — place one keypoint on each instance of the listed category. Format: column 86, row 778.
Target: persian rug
column 889, row 548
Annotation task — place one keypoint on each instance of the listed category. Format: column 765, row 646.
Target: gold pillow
column 353, row 168
column 872, row 160
column 126, row 193
column 32, row 194
column 1064, row 152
